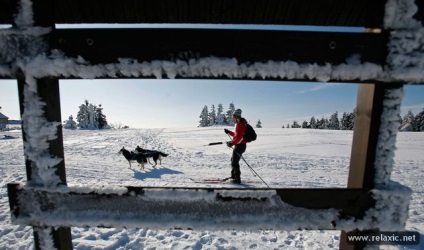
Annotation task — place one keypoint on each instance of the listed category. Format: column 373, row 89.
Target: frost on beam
column 200, row 208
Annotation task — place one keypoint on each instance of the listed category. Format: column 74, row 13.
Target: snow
column 386, row 144
column 284, row 158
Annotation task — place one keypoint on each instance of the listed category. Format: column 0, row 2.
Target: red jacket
column 238, row 134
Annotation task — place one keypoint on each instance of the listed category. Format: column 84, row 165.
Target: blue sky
column 178, row 103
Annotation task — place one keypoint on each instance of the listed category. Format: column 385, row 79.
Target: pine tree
column 83, row 116
column 204, row 117
column 348, row 121
column 70, row 123
column 259, row 124
column 323, row 123
column 220, row 117
column 352, row 119
column 334, row 122
column 313, row 123
column 92, row 116
column 419, row 121
column 230, row 112
column 304, row 124
column 408, row 122
column 212, row 116
column 344, row 122
column 100, row 118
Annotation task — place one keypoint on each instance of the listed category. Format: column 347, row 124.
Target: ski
column 216, row 180
column 222, row 181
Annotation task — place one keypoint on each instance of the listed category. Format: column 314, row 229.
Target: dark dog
column 131, row 156
column 156, row 155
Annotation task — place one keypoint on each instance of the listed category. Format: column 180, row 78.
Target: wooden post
column 364, row 145
column 48, row 91
column 365, row 135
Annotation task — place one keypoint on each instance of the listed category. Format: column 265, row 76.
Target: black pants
column 235, row 159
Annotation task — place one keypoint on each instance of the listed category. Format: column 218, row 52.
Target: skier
column 239, row 144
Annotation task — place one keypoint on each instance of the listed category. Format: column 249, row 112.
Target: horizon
column 140, row 103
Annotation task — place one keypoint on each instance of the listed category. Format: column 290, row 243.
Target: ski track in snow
column 284, row 158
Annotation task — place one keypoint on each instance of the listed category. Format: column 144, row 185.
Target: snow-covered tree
column 220, row 117
column 345, row 121
column 91, row 117
column 212, row 116
column 408, row 122
column 83, row 116
column 70, row 123
column 204, row 117
column 259, row 124
column 419, row 121
column 100, row 118
column 323, row 123
column 304, row 124
column 229, row 113
column 350, row 120
column 334, row 122
column 313, row 123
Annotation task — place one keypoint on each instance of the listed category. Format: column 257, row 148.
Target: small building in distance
column 4, row 120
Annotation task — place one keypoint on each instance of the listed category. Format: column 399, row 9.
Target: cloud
column 318, row 87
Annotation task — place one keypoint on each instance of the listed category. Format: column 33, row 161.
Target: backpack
column 250, row 134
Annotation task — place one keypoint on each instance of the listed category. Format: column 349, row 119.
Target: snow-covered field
column 284, row 158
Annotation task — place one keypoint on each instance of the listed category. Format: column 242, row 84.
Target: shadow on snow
column 155, row 173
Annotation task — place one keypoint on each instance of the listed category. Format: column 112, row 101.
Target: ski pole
column 253, row 171
column 214, row 143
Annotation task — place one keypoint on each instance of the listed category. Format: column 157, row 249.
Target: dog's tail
column 163, row 154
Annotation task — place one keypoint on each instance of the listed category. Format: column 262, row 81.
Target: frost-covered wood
column 211, row 209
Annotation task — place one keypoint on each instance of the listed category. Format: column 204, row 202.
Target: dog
column 156, row 155
column 132, row 156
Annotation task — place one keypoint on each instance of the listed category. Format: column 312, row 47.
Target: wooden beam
column 359, row 13
column 146, row 205
column 247, row 46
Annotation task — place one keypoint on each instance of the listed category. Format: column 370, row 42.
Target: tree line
column 410, row 122
column 215, row 116
column 346, row 122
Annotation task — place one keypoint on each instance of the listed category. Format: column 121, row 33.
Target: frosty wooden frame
column 350, row 203
column 88, row 43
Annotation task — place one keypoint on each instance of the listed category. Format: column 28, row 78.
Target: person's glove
column 229, row 144
column 226, row 131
